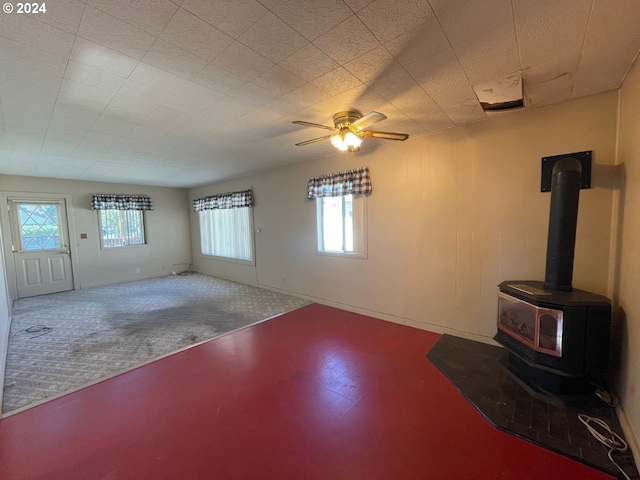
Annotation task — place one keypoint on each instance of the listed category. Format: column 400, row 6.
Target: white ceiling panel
column 194, row 35
column 243, row 62
column 309, row 63
column 551, row 30
column 312, row 19
column 174, row 60
column 27, row 30
column 347, row 41
column 233, row 17
column 65, row 15
column 148, row 15
column 273, row 38
column 102, row 58
column 187, row 92
column 113, row 33
column 389, row 18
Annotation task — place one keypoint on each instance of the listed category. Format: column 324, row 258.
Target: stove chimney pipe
column 563, row 220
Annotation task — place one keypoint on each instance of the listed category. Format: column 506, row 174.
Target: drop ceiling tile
column 428, row 115
column 312, row 19
column 232, row 17
column 469, row 112
column 28, row 65
column 192, row 92
column 71, row 115
column 473, row 19
column 219, row 80
column 541, row 88
column 304, row 96
column 410, row 96
column 592, row 78
column 387, row 19
column 336, row 81
column 441, row 7
column 356, row 5
column 84, row 95
column 196, row 36
column 81, row 73
column 273, row 38
column 109, row 124
column 25, row 29
column 278, row 81
column 115, row 34
column 243, row 62
column 148, row 15
column 393, row 81
column 556, row 31
column 65, row 15
column 252, row 95
column 309, row 63
column 102, row 58
column 370, row 66
column 174, row 60
column 612, row 42
column 155, row 77
column 166, row 119
column 347, row 41
column 491, row 56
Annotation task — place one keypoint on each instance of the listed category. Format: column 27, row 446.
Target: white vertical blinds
column 226, row 233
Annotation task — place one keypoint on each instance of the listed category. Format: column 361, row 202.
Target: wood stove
column 557, row 336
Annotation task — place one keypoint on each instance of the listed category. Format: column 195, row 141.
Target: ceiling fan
column 350, row 128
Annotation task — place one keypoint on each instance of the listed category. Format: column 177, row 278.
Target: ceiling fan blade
column 309, row 124
column 314, row 140
column 386, row 135
column 368, row 120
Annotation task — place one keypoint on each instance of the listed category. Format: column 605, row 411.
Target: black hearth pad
column 474, row 368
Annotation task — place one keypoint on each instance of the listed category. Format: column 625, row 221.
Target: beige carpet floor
column 98, row 332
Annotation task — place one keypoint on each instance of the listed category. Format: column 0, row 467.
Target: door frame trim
column 6, row 234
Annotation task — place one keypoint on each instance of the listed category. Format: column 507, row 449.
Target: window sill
column 359, row 255
column 122, row 247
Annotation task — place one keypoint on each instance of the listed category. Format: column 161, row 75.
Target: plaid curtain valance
column 356, row 182
column 121, row 202
column 242, row 198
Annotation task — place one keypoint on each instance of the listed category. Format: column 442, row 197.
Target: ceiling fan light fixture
column 338, row 142
column 352, row 140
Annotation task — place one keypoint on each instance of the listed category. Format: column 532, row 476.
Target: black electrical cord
column 41, row 329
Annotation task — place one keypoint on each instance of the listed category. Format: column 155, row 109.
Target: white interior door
column 40, row 246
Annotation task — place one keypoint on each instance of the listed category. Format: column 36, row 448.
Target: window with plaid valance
column 121, row 202
column 355, row 182
column 242, row 198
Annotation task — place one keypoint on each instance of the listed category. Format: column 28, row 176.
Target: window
column 121, row 228
column 227, row 233
column 341, row 225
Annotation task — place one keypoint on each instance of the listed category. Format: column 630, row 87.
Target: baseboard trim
column 431, row 327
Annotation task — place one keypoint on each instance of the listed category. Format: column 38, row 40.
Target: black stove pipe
column 563, row 220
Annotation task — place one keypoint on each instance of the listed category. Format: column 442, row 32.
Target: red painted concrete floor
column 318, row 393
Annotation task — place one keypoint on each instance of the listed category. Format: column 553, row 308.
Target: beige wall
column 451, row 215
column 167, row 229
column 5, row 317
column 626, row 280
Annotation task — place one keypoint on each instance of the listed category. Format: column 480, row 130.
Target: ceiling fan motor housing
column 344, row 119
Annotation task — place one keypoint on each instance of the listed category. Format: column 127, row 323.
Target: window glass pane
column 122, row 227
column 39, row 226
column 332, row 224
column 341, row 226
column 226, row 233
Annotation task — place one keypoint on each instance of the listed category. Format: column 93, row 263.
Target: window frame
column 360, row 228
column 252, row 240
column 116, row 247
